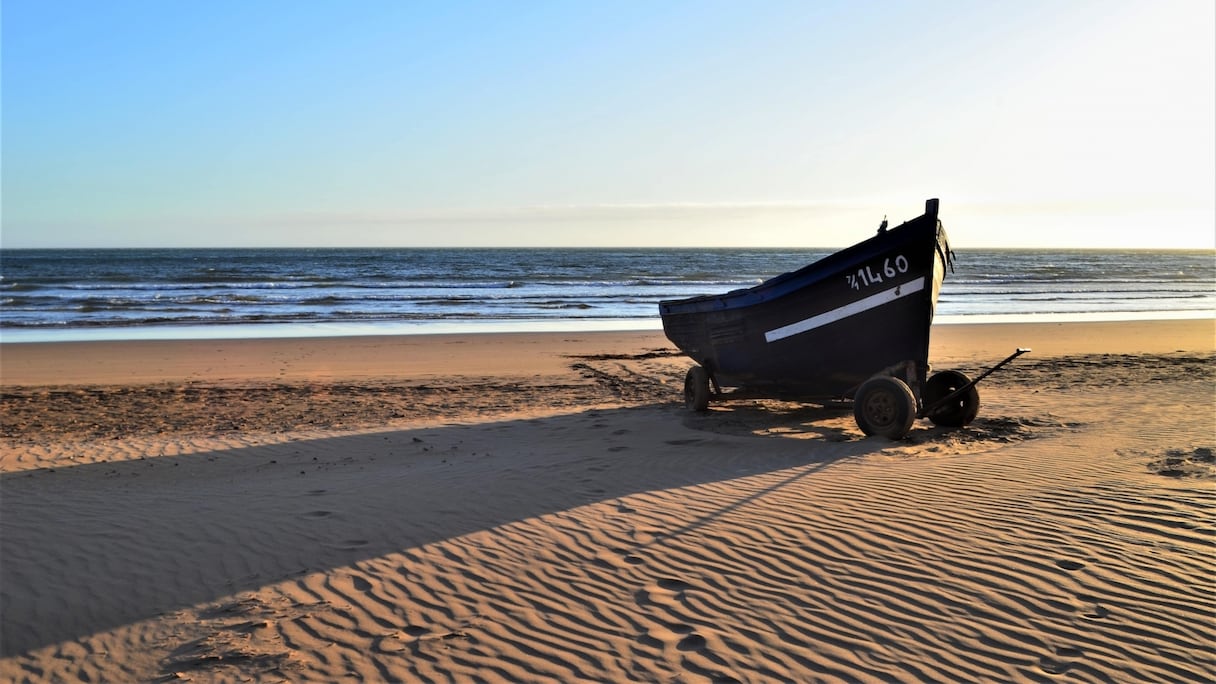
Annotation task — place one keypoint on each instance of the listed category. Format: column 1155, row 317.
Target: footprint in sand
column 362, row 584
column 1070, row 565
column 634, row 560
column 349, row 544
column 1092, row 610
column 692, row 642
column 674, row 584
column 1095, row 613
column 616, row 449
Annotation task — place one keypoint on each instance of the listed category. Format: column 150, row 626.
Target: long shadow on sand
column 88, row 548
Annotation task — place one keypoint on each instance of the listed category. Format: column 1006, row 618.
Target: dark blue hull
column 820, row 331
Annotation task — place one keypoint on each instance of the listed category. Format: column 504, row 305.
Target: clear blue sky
column 767, row 123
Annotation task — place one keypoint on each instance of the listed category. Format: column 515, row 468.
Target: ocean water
column 141, row 293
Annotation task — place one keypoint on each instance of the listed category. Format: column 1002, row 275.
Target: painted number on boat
column 874, row 274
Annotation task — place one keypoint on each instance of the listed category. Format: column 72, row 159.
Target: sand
column 518, row 508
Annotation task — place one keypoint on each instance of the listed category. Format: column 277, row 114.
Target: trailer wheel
column 696, row 389
column 884, row 406
column 961, row 410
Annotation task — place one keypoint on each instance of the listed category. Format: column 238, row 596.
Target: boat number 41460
column 873, row 274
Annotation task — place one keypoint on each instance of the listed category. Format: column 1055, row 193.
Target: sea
column 115, row 294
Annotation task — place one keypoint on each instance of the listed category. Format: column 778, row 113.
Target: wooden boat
column 852, row 326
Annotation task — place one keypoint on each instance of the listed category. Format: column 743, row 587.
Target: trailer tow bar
column 928, row 410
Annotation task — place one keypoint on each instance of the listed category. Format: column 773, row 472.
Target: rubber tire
column 885, row 407
column 696, row 389
column 960, row 411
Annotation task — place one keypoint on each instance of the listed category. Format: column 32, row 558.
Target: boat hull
column 820, row 331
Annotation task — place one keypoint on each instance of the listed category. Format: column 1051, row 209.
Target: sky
column 1038, row 123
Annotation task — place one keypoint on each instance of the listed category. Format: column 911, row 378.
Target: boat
column 853, row 326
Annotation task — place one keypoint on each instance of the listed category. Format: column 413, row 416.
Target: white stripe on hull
column 852, row 309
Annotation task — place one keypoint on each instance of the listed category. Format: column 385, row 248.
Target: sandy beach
column 541, row 507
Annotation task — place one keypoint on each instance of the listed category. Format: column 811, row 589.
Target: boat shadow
column 94, row 547
column 830, row 422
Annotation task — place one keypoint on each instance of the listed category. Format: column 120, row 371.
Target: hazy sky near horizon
column 1039, row 123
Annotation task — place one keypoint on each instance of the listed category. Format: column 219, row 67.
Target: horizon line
column 583, row 247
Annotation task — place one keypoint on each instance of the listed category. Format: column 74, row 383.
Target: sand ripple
column 632, row 544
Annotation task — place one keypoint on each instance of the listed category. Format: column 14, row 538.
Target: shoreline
column 235, row 331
